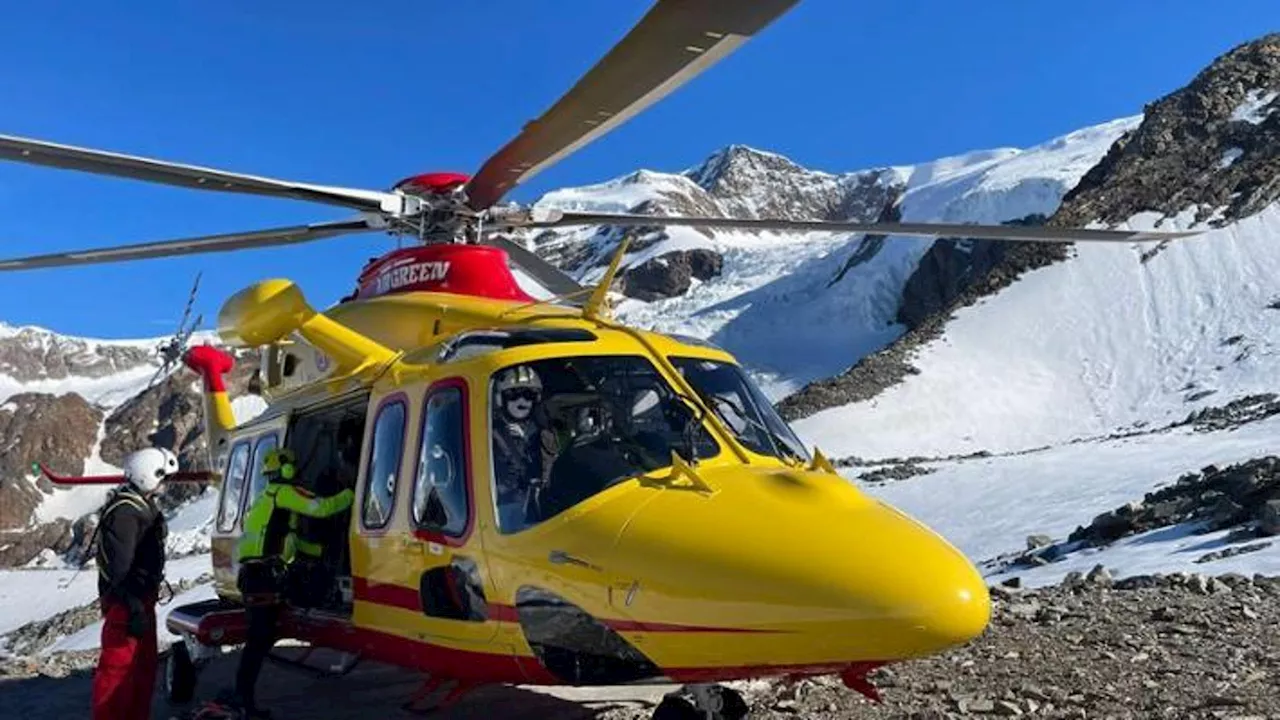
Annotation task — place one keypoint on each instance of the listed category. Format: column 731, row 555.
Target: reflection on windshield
column 728, row 390
column 565, row 429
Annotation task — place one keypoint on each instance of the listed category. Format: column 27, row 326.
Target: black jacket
column 130, row 555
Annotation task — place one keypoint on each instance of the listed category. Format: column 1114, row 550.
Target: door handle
column 560, row 557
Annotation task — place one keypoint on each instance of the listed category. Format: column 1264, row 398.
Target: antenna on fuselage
column 598, row 302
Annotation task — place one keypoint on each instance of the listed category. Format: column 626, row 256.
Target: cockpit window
column 565, row 429
column 728, row 390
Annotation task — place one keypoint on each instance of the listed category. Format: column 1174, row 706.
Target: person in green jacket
column 269, row 543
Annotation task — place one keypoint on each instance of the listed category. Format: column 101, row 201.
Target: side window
column 384, row 465
column 440, row 501
column 258, row 481
column 233, row 486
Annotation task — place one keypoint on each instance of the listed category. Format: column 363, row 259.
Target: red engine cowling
column 479, row 270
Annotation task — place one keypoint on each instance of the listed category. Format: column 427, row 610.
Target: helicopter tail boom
column 212, row 364
column 186, row 476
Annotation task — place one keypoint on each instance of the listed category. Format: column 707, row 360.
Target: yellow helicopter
column 545, row 495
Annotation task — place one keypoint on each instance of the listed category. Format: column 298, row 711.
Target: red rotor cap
column 438, row 183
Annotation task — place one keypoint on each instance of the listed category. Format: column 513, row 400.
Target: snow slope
column 30, row 595
column 1096, row 343
column 90, row 636
column 987, row 507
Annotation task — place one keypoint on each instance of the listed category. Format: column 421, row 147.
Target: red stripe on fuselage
column 404, row 598
column 228, row 628
column 389, row 594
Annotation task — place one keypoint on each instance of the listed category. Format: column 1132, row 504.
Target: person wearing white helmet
column 517, row 460
column 130, row 558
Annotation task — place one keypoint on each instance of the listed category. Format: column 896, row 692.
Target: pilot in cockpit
column 517, row 459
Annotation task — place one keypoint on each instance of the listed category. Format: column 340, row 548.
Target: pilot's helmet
column 518, row 388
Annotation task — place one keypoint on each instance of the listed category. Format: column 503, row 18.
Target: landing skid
column 702, row 702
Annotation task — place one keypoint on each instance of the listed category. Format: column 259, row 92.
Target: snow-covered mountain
column 80, row 405
column 764, row 295
column 1014, row 389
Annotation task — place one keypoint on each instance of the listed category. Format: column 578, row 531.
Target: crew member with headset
column 518, row 462
column 131, row 534
column 265, row 550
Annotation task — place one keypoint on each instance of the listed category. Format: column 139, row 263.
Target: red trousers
column 125, row 680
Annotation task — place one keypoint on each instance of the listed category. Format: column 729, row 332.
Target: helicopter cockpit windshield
column 728, row 390
column 564, row 429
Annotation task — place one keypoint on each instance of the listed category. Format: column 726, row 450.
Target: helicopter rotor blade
column 675, row 41
column 547, row 275
column 1038, row 233
column 190, row 246
column 39, row 152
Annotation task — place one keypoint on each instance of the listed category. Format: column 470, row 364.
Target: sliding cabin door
column 417, row 565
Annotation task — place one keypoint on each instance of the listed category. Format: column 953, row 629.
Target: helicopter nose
column 941, row 601
column 891, row 587
column 802, row 568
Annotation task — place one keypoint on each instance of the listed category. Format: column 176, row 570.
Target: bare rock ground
column 1178, row 646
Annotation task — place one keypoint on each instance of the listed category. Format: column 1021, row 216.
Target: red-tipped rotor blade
column 672, row 43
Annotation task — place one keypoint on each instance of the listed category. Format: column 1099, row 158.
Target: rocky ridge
column 1212, row 147
column 28, row 354
column 1243, row 498
column 59, row 431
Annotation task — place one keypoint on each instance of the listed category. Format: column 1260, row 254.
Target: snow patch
column 1256, row 106
column 108, row 391
column 191, row 525
column 247, row 407
column 75, row 502
column 90, row 636
column 30, row 595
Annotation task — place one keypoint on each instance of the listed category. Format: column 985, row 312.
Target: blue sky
column 363, row 95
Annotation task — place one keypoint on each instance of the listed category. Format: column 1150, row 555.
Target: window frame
column 755, row 396
column 397, row 398
column 504, row 362
column 460, row 384
column 220, row 525
column 255, row 461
